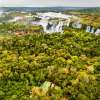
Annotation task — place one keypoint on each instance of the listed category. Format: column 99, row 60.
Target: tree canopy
column 50, row 66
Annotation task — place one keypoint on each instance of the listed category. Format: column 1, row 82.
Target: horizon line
column 56, row 6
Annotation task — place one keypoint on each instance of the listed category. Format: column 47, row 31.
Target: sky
column 43, row 3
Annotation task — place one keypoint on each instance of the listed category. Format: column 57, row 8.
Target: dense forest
column 88, row 16
column 55, row 66
column 88, row 10
column 95, row 10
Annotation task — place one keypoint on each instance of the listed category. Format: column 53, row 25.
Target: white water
column 97, row 31
column 52, row 28
column 77, row 25
column 88, row 29
column 51, row 25
column 92, row 30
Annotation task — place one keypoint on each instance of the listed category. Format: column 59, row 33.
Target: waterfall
column 52, row 26
column 59, row 27
column 76, row 25
column 68, row 22
column 73, row 25
column 44, row 25
column 88, row 29
column 92, row 30
column 97, row 31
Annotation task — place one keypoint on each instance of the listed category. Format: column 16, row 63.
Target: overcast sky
column 39, row 3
